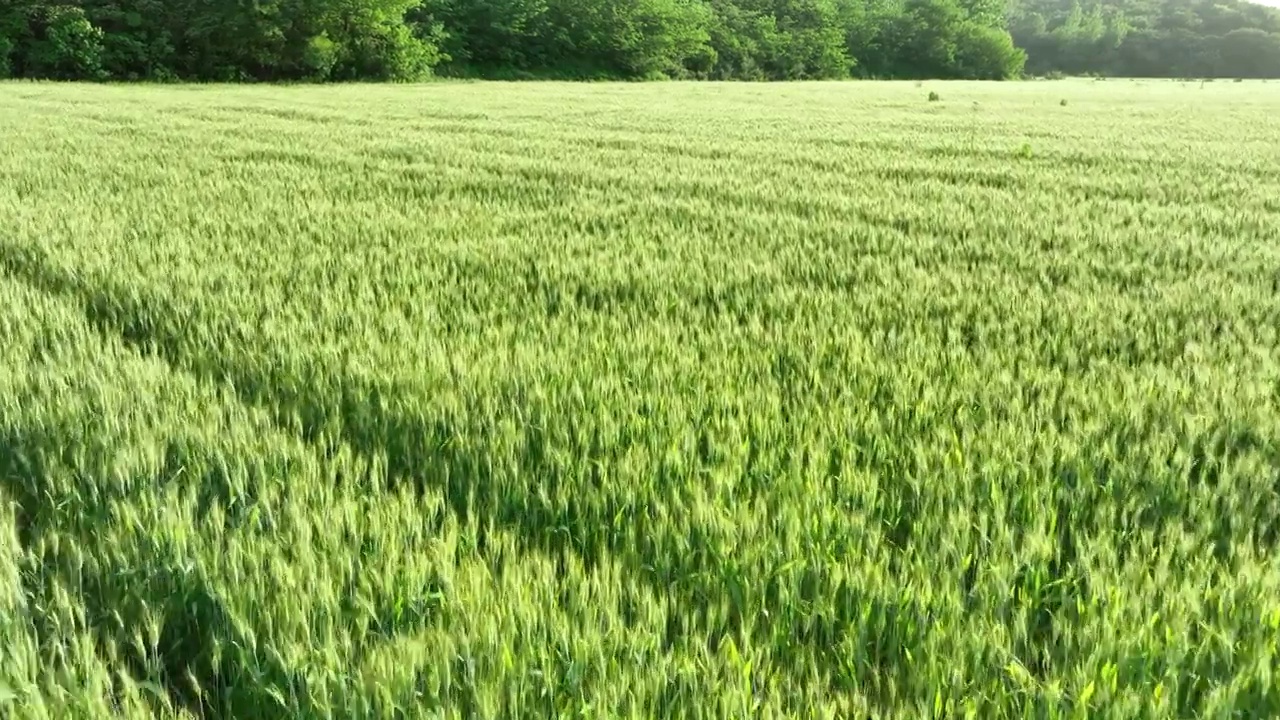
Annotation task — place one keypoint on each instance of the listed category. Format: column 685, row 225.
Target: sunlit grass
column 483, row 400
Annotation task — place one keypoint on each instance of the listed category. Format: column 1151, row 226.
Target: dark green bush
column 6, row 47
column 986, row 53
column 65, row 45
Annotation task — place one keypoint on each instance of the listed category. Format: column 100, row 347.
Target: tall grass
column 497, row 400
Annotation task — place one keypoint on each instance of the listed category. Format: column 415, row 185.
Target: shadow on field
column 199, row 661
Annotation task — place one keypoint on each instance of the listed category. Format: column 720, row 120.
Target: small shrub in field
column 934, row 96
column 1239, row 80
column 1025, row 152
column 1063, row 102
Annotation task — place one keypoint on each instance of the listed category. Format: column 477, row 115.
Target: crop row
column 709, row 435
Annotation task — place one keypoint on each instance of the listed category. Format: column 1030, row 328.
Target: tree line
column 334, row 40
column 1149, row 38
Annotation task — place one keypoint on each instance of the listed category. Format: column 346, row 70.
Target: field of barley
column 479, row 400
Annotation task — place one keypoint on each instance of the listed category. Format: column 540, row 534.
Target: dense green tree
column 320, row 40
column 11, row 26
column 365, row 39
column 136, row 39
column 987, row 13
column 59, row 42
column 218, row 40
column 1248, row 52
column 631, row 38
column 983, row 52
column 779, row 39
column 1155, row 38
column 926, row 42
column 480, row 35
column 941, row 39
column 576, row 38
column 746, row 42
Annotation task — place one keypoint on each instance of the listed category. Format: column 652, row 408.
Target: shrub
column 934, row 97
column 319, row 57
column 985, row 53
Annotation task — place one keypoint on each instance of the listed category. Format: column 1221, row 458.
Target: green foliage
column 781, row 39
column 634, row 38
column 372, row 39
column 717, row 39
column 1153, row 38
column 746, row 42
column 138, row 37
column 479, row 34
column 411, row 39
column 639, row 401
column 1249, row 53
column 987, row 13
column 586, row 38
column 13, row 28
column 938, row 39
column 222, row 40
column 986, row 53
column 320, row 57
column 64, row 45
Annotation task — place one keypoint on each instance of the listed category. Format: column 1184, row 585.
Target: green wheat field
column 473, row 400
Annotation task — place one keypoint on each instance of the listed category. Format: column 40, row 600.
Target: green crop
column 550, row 400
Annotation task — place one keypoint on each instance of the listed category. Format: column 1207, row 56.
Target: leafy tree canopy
column 321, row 40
